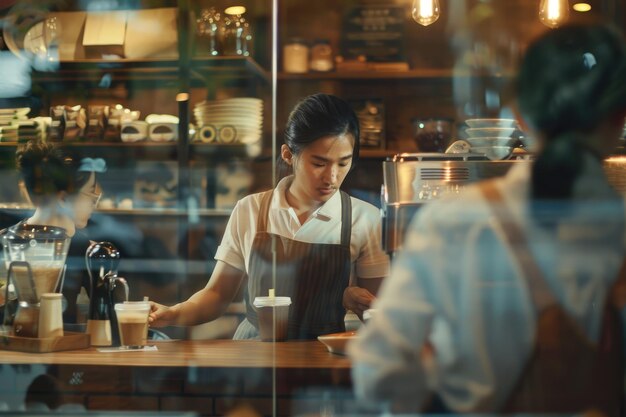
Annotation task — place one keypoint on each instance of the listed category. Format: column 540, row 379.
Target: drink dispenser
column 35, row 261
column 107, row 289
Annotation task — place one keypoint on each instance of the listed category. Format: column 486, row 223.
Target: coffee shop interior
column 179, row 110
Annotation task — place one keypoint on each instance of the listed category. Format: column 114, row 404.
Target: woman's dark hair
column 48, row 169
column 571, row 79
column 319, row 116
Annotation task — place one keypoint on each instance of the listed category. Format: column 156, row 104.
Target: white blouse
column 323, row 226
column 457, row 285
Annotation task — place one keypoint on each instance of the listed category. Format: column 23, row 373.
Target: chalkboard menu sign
column 374, row 31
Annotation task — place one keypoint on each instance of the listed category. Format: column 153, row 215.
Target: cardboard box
column 130, row 34
column 72, row 26
column 152, row 33
column 105, row 34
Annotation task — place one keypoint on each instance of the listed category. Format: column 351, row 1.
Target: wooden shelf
column 415, row 74
column 152, row 69
column 196, row 148
column 166, row 212
column 376, row 153
column 203, row 212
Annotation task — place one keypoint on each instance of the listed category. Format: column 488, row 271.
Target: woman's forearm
column 212, row 301
column 204, row 306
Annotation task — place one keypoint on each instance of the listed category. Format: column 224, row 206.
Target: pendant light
column 425, row 12
column 553, row 13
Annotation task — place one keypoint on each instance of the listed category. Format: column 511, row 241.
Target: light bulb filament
column 553, row 13
column 425, row 12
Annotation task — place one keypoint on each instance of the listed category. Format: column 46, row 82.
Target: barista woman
column 328, row 253
column 63, row 188
column 512, row 283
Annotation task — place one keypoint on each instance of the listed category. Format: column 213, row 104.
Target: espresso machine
column 413, row 179
column 35, row 262
column 107, row 289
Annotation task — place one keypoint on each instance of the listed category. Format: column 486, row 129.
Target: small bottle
column 322, row 56
column 50, row 316
column 296, row 56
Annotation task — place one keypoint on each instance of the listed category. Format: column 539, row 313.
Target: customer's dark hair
column 319, row 116
column 48, row 169
column 571, row 79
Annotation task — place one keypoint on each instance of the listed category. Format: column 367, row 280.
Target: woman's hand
column 358, row 300
column 161, row 315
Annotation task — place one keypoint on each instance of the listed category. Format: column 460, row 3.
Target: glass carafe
column 34, row 257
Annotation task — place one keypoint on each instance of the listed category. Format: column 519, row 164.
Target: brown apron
column 566, row 372
column 314, row 275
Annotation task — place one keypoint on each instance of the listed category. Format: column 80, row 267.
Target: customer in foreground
column 507, row 298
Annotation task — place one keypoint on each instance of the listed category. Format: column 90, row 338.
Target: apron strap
column 266, row 198
column 535, row 281
column 346, row 219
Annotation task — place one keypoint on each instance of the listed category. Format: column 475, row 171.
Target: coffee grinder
column 35, row 261
column 107, row 289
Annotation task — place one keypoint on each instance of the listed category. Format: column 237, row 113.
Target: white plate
column 489, row 132
column 481, row 123
column 491, row 141
column 20, row 111
column 337, row 342
column 251, row 124
column 493, row 152
column 228, row 107
column 235, row 100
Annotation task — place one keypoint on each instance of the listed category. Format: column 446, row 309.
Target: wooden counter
column 203, row 354
column 210, row 377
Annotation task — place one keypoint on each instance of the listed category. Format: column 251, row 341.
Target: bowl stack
column 492, row 137
column 10, row 120
column 232, row 120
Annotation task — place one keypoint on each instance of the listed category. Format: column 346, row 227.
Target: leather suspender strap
column 346, row 219
column 535, row 281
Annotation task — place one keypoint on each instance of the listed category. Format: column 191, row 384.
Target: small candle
column 271, row 293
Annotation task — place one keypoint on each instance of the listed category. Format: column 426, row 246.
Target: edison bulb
column 553, row 13
column 425, row 12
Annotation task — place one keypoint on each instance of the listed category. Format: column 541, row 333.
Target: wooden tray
column 69, row 341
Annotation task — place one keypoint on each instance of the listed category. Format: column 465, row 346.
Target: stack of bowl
column 492, row 137
column 232, row 120
column 10, row 120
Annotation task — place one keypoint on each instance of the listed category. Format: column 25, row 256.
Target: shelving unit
column 412, row 74
column 224, row 67
column 169, row 212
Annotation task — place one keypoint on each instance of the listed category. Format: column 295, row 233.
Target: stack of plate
column 491, row 137
column 232, row 120
column 9, row 123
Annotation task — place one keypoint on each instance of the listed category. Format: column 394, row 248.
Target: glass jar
column 209, row 25
column 236, row 33
column 321, row 56
column 296, row 56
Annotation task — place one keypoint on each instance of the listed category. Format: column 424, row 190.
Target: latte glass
column 132, row 321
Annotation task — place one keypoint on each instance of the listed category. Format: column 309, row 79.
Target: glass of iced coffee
column 132, row 321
